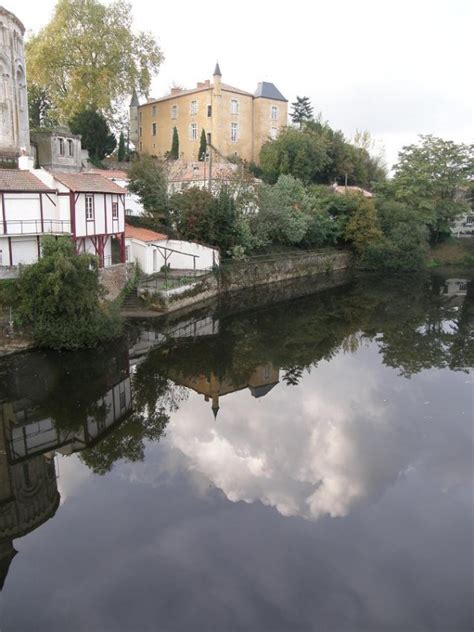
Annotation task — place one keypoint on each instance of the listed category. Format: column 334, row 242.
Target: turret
column 217, row 76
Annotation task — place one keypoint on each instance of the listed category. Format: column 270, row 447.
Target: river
column 292, row 466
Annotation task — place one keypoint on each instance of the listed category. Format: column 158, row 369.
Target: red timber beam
column 72, row 216
column 122, row 247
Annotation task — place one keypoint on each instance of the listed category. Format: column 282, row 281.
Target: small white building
column 35, row 203
column 152, row 250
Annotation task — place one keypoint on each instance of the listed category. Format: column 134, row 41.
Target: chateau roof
column 143, row 234
column 268, row 90
column 217, row 70
column 224, row 86
column 134, row 102
column 87, row 182
column 21, row 181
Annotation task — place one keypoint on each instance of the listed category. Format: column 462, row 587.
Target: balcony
column 34, row 227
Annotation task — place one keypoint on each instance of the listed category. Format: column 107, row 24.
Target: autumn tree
column 363, row 228
column 88, row 56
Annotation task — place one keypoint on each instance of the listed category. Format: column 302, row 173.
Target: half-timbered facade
column 88, row 207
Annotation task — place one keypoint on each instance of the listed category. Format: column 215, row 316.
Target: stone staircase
column 131, row 300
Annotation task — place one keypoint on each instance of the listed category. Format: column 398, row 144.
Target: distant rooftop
column 21, row 181
column 87, row 182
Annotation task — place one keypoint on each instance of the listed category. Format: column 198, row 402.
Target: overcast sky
column 397, row 69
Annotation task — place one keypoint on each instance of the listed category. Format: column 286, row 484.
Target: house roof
column 217, row 70
column 268, row 90
column 224, row 86
column 19, row 180
column 352, row 189
column 110, row 174
column 143, row 234
column 87, row 182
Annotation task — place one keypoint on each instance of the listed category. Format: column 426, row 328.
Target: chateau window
column 233, row 132
column 140, row 116
column 193, row 131
column 61, row 146
column 234, row 106
column 141, row 146
column 140, row 131
column 194, row 107
column 153, row 129
column 174, row 111
column 153, row 110
column 273, row 133
column 89, row 208
column 209, row 111
column 70, row 148
column 274, row 113
column 115, row 210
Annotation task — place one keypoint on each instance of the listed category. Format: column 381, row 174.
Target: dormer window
column 194, row 107
column 61, row 146
column 234, row 106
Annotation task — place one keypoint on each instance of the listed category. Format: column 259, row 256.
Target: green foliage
column 40, row 107
column 316, row 154
column 59, row 299
column 87, row 56
column 121, row 152
column 302, row 111
column 363, row 228
column 189, row 213
column 95, row 133
column 147, row 178
column 222, row 221
column 174, row 153
column 430, row 178
column 202, row 146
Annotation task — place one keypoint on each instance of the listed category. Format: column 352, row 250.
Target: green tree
column 174, row 153
column 189, row 213
column 202, row 146
column 430, row 177
column 40, row 107
column 302, row 111
column 96, row 136
column 222, row 221
column 59, row 299
column 363, row 228
column 121, row 153
column 87, row 56
column 147, row 178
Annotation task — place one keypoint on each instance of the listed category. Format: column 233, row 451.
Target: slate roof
column 18, row 180
column 87, row 183
column 217, row 70
column 268, row 90
column 143, row 234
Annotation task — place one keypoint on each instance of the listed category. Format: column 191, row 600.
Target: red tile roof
column 18, row 180
column 110, row 174
column 351, row 189
column 87, row 182
column 143, row 234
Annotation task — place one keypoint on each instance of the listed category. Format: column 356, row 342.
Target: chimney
column 175, row 91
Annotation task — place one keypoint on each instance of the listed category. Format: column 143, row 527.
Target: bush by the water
column 59, row 299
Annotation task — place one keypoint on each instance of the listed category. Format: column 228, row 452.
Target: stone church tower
column 14, row 125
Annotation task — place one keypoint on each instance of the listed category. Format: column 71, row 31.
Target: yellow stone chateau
column 235, row 122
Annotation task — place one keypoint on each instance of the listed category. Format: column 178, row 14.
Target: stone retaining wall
column 115, row 278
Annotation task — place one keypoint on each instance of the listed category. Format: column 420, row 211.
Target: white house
column 152, row 250
column 34, row 203
column 133, row 206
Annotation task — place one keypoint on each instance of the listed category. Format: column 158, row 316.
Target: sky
column 396, row 69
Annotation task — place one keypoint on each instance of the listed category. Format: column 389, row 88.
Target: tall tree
column 147, row 178
column 88, row 56
column 121, row 148
column 302, row 111
column 94, row 130
column 202, row 146
column 40, row 107
column 431, row 178
column 174, row 153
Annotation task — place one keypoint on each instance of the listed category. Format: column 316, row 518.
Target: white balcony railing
column 34, row 226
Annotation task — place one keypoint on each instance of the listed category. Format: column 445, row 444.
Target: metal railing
column 34, row 226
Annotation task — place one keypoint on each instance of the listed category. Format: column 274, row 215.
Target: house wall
column 102, row 223
column 22, row 212
column 207, row 257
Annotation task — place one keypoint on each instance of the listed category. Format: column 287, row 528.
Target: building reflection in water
column 261, row 381
column 29, row 440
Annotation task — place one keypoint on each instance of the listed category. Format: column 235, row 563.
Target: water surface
column 306, row 465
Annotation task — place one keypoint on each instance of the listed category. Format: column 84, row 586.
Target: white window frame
column 115, row 210
column 274, row 112
column 273, row 133
column 234, row 106
column 193, row 108
column 234, row 136
column 174, row 112
column 89, row 204
column 193, row 131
